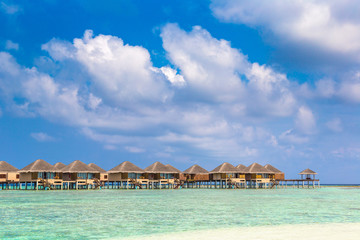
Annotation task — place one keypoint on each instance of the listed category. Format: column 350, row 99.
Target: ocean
column 160, row 214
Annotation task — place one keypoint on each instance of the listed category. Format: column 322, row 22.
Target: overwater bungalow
column 196, row 176
column 127, row 175
column 58, row 178
column 241, row 175
column 59, row 165
column 257, row 176
column 241, row 168
column 39, row 174
column 79, row 175
column 278, row 175
column 196, row 173
column 177, row 174
column 9, row 176
column 160, row 176
column 103, row 173
column 225, row 175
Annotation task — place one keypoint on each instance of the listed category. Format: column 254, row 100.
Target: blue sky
column 182, row 82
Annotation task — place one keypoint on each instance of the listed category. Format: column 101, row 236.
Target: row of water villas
column 78, row 175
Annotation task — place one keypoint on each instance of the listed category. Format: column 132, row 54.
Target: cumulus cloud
column 206, row 101
column 10, row 45
column 335, row 125
column 208, row 65
column 345, row 89
column 120, row 73
column 214, row 70
column 172, row 76
column 350, row 91
column 325, row 88
column 305, row 120
column 324, row 24
column 42, row 137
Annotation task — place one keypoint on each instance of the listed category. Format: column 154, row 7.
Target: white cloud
column 270, row 91
column 133, row 149
column 10, row 8
column 214, row 70
column 10, row 45
column 94, row 101
column 208, row 65
column 292, row 137
column 217, row 146
column 120, row 73
column 305, row 120
column 59, row 49
column 173, row 77
column 326, row 88
column 124, row 100
column 335, row 125
column 326, row 24
column 350, row 91
column 42, row 137
column 347, row 89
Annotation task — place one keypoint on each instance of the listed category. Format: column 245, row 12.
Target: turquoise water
column 105, row 214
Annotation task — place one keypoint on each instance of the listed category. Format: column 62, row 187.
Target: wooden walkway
column 298, row 183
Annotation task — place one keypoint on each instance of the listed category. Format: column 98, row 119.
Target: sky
column 182, row 82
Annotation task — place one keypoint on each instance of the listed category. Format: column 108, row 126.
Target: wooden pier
column 298, row 183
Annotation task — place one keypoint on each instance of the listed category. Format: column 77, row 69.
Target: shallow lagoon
column 102, row 214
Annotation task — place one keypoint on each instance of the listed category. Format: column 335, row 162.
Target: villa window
column 81, row 175
column 2, row 175
column 41, row 175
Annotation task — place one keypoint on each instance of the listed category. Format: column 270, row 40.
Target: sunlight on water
column 122, row 213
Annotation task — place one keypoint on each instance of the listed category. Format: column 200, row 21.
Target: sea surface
column 118, row 214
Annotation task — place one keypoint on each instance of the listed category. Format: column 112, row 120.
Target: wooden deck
column 162, row 184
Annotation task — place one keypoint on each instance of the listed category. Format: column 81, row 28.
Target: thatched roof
column 241, row 168
column 126, row 167
column 196, row 169
column 307, row 171
column 158, row 167
column 5, row 167
column 58, row 166
column 96, row 167
column 172, row 168
column 78, row 166
column 256, row 168
column 38, row 166
column 225, row 168
column 272, row 168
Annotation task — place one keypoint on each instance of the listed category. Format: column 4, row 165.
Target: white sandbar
column 336, row 231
